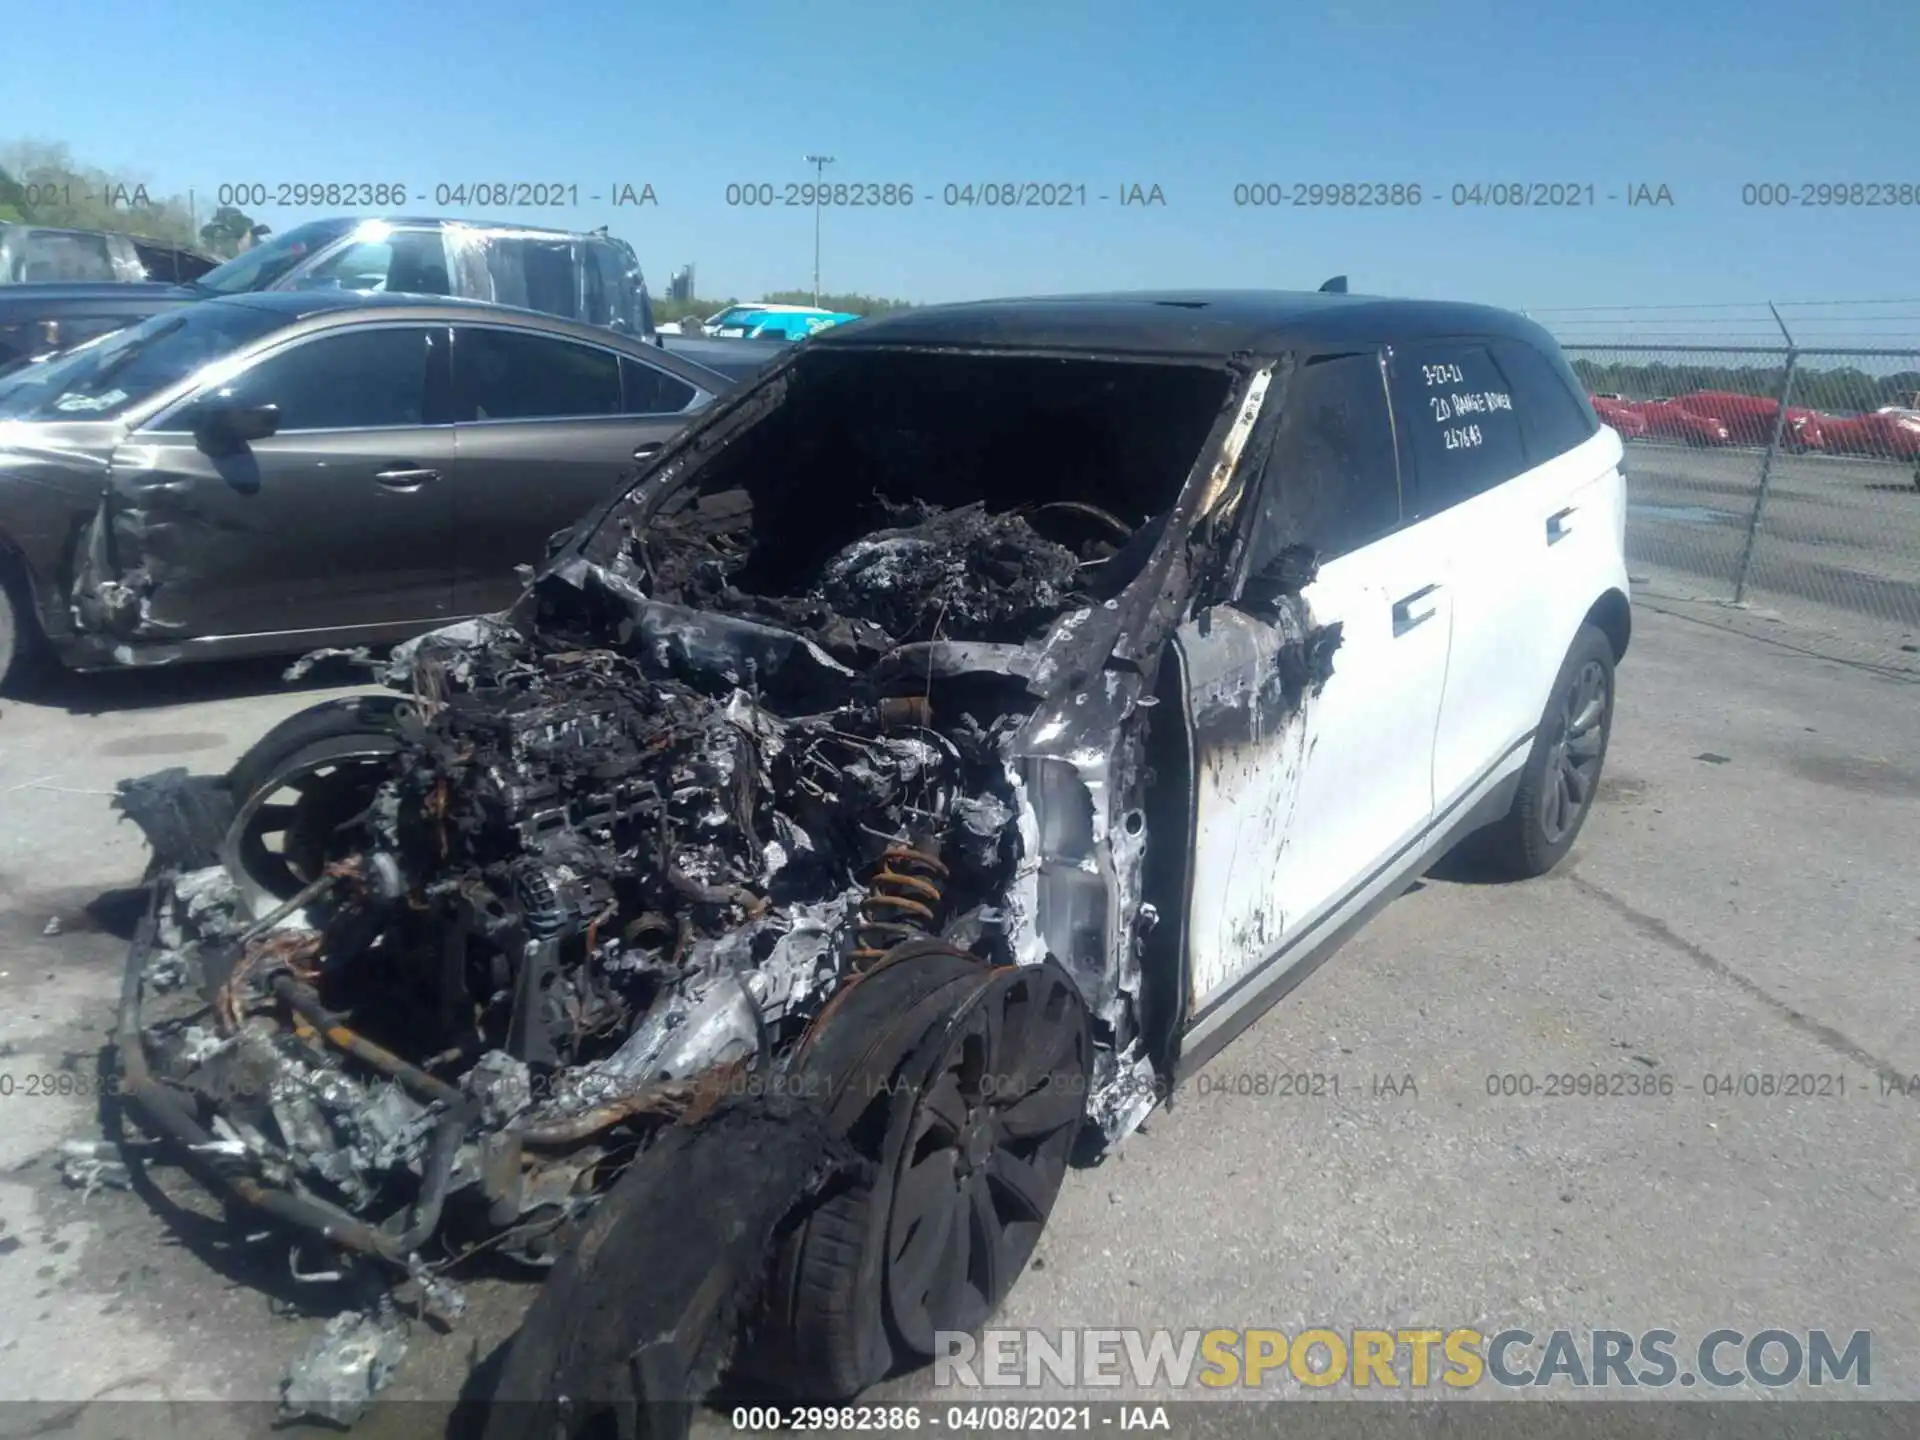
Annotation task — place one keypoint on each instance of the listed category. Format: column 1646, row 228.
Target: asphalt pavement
column 1741, row 903
column 1837, row 546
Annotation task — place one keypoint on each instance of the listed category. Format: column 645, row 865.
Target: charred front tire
column 964, row 1088
column 640, row 1314
column 296, row 788
column 1562, row 772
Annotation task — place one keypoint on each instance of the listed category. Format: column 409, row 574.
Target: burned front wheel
column 988, row 1139
column 888, row 1186
column 298, row 791
column 965, row 1087
column 640, row 1316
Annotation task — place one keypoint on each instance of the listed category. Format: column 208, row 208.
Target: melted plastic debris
column 90, row 1165
column 958, row 572
column 184, row 817
column 345, row 1368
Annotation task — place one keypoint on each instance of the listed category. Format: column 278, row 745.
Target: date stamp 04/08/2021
column 992, row 193
column 1724, row 1084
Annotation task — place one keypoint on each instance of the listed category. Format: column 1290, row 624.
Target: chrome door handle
column 405, row 479
column 1404, row 618
column 1557, row 527
column 649, row 450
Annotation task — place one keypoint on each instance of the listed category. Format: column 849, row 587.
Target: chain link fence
column 1785, row 479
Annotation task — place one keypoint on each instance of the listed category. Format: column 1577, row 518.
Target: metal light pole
column 819, row 163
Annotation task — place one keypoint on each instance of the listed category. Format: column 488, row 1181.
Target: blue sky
column 691, row 97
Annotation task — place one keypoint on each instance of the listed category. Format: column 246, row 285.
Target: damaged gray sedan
column 954, row 738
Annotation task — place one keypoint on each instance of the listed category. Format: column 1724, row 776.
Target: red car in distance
column 1621, row 414
column 1672, row 420
column 1886, row 435
column 1750, row 418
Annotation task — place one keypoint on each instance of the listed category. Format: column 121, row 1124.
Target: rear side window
column 534, row 274
column 1552, row 421
column 609, row 293
column 50, row 255
column 1458, row 411
column 596, row 307
column 417, row 263
column 513, row 375
column 1332, row 480
column 648, row 391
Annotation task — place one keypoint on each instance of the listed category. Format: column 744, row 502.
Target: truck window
column 61, row 255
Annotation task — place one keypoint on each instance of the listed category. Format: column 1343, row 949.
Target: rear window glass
column 1552, row 420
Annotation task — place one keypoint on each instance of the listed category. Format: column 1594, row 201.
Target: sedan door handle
column 405, row 479
column 1404, row 615
column 1557, row 527
column 649, row 450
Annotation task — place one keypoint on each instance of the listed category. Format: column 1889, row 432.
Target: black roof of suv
column 1182, row 322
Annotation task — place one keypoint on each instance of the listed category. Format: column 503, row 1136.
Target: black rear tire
column 1562, row 772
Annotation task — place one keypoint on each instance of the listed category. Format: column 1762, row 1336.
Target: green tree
column 850, row 304
column 42, row 183
column 223, row 233
column 692, row 309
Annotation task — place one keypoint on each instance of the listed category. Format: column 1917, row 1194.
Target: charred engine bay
column 581, row 889
column 619, row 856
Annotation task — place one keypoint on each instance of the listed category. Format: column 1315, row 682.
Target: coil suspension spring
column 901, row 902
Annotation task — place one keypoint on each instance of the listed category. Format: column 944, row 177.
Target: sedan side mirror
column 222, row 426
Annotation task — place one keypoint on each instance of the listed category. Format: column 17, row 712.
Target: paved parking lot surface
column 1838, row 545
column 1741, row 903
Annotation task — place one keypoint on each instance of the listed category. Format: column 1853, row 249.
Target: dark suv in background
column 592, row 278
column 45, row 254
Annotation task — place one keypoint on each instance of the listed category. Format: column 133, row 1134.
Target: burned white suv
column 960, row 733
